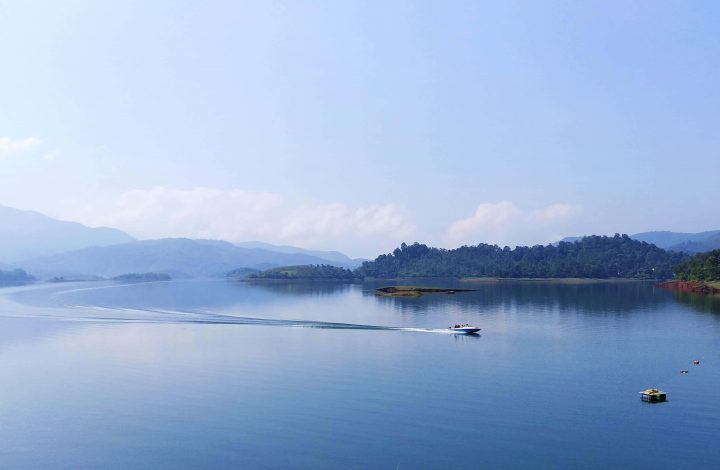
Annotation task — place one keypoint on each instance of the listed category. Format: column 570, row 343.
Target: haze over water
column 225, row 374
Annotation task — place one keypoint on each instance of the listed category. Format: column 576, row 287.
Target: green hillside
column 591, row 257
column 701, row 267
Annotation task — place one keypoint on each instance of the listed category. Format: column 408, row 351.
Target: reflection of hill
column 603, row 297
column 301, row 287
column 14, row 283
column 700, row 302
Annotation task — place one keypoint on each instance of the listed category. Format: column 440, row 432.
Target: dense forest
column 16, row 275
column 590, row 257
column 318, row 272
column 701, row 267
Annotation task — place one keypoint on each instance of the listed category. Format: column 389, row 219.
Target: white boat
column 466, row 329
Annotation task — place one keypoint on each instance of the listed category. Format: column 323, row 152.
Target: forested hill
column 591, row 257
column 319, row 272
column 702, row 267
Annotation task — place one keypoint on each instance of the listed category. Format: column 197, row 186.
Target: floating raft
column 653, row 395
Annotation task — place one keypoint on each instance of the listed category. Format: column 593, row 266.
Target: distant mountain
column 28, row 234
column 705, row 245
column 675, row 241
column 335, row 256
column 178, row 257
column 670, row 240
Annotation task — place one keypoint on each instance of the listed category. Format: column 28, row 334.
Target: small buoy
column 684, row 371
column 696, row 362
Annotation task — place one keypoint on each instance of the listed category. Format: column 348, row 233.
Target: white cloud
column 12, row 147
column 339, row 220
column 238, row 215
column 505, row 223
column 553, row 212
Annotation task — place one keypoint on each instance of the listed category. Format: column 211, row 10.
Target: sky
column 359, row 125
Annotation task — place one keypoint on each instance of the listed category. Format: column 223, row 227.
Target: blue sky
column 357, row 125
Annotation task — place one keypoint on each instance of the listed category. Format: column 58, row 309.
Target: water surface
column 195, row 374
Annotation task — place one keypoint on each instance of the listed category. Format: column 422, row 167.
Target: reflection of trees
column 604, row 297
column 700, row 302
column 301, row 287
column 14, row 283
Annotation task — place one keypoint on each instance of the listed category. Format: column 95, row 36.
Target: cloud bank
column 240, row 215
column 504, row 223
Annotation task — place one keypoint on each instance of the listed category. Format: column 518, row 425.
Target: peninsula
column 700, row 275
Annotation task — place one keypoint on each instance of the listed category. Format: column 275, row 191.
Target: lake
column 221, row 374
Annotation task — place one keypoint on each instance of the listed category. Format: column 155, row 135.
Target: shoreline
column 554, row 280
column 296, row 279
column 470, row 280
column 695, row 287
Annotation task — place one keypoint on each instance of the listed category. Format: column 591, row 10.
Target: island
column 142, row 277
column 240, row 273
column 589, row 259
column 79, row 278
column 416, row 291
column 311, row 272
column 16, row 276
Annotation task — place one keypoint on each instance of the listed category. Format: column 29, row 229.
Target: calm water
column 215, row 374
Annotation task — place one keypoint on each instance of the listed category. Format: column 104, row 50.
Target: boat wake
column 121, row 314
column 100, row 313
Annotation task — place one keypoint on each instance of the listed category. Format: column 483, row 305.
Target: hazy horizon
column 355, row 127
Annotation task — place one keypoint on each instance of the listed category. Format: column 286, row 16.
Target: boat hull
column 465, row 330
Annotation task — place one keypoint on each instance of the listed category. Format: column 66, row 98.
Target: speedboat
column 466, row 329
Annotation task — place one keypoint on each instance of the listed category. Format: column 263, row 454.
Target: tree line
column 307, row 272
column 701, row 267
column 594, row 256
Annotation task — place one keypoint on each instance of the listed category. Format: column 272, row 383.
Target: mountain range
column 28, row 234
column 678, row 241
column 341, row 259
column 48, row 247
column 179, row 257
